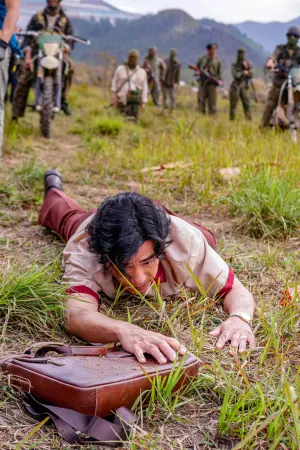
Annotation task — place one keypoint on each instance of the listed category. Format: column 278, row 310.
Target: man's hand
column 270, row 64
column 138, row 341
column 143, row 105
column 114, row 99
column 235, row 330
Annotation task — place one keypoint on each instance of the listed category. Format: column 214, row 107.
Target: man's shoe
column 66, row 108
column 52, row 179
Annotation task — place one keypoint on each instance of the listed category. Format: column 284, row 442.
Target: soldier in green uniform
column 51, row 17
column 242, row 74
column 212, row 65
column 157, row 68
column 285, row 56
column 171, row 78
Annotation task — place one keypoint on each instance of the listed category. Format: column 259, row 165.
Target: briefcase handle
column 45, row 347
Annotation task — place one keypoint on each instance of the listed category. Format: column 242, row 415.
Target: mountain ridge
column 268, row 34
column 166, row 29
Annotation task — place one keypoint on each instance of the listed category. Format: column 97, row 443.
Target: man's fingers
column 223, row 339
column 156, row 353
column 167, row 350
column 235, row 339
column 217, row 332
column 175, row 345
column 243, row 343
column 138, row 352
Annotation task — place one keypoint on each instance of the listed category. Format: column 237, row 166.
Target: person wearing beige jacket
column 130, row 86
column 133, row 243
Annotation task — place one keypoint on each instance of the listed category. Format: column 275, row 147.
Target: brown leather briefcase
column 92, row 380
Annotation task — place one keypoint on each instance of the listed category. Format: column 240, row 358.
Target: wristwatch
column 242, row 315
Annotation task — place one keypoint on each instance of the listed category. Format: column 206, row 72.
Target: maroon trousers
column 63, row 215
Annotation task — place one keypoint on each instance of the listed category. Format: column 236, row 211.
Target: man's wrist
column 245, row 317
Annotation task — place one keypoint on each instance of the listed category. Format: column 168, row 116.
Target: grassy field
column 248, row 402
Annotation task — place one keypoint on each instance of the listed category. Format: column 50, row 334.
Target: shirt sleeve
column 79, row 267
column 209, row 268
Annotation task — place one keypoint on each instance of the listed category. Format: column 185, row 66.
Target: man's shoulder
column 183, row 236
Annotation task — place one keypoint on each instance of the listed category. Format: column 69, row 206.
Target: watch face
column 245, row 316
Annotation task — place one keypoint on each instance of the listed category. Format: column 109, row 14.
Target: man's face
column 212, row 52
column 53, row 5
column 132, row 60
column 152, row 52
column 141, row 269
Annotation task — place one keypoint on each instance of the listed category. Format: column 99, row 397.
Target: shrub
column 107, row 126
column 268, row 207
column 32, row 295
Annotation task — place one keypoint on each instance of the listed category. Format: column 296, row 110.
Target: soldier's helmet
column 293, row 31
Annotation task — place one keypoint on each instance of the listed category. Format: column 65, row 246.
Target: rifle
column 249, row 80
column 206, row 74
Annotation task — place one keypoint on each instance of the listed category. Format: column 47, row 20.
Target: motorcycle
column 287, row 113
column 50, row 68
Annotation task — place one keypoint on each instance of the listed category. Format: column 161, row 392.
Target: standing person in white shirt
column 130, row 86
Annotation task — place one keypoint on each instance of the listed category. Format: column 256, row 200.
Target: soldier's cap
column 152, row 49
column 241, row 50
column 293, row 31
column 211, row 45
column 134, row 52
column 173, row 51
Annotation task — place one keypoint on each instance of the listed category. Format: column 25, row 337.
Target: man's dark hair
column 122, row 224
column 210, row 46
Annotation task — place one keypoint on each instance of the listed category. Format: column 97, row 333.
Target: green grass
column 266, row 206
column 33, row 295
column 249, row 402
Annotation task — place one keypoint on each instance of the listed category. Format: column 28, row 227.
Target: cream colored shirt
column 189, row 249
column 137, row 81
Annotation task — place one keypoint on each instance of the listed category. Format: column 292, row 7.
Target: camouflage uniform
column 207, row 88
column 158, row 68
column 26, row 77
column 172, row 77
column 240, row 85
column 287, row 57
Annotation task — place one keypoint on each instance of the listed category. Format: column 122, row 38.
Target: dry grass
column 252, row 400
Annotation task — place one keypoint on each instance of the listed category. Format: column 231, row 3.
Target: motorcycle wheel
column 47, row 109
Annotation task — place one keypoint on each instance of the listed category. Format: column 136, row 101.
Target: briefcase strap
column 71, row 424
column 45, row 347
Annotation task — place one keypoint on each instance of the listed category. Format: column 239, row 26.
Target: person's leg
column 25, row 78
column 62, row 214
column 212, row 99
column 4, row 65
column 165, row 93
column 67, row 83
column 271, row 105
column 201, row 96
column 172, row 98
column 233, row 99
column 244, row 94
column 155, row 93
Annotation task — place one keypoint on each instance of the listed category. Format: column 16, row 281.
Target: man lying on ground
column 132, row 241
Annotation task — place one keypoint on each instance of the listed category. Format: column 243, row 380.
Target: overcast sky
column 222, row 10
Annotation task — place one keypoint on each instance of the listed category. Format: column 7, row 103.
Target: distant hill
column 267, row 34
column 87, row 9
column 167, row 29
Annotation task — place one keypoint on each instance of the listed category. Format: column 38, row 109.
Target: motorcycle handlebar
column 66, row 37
